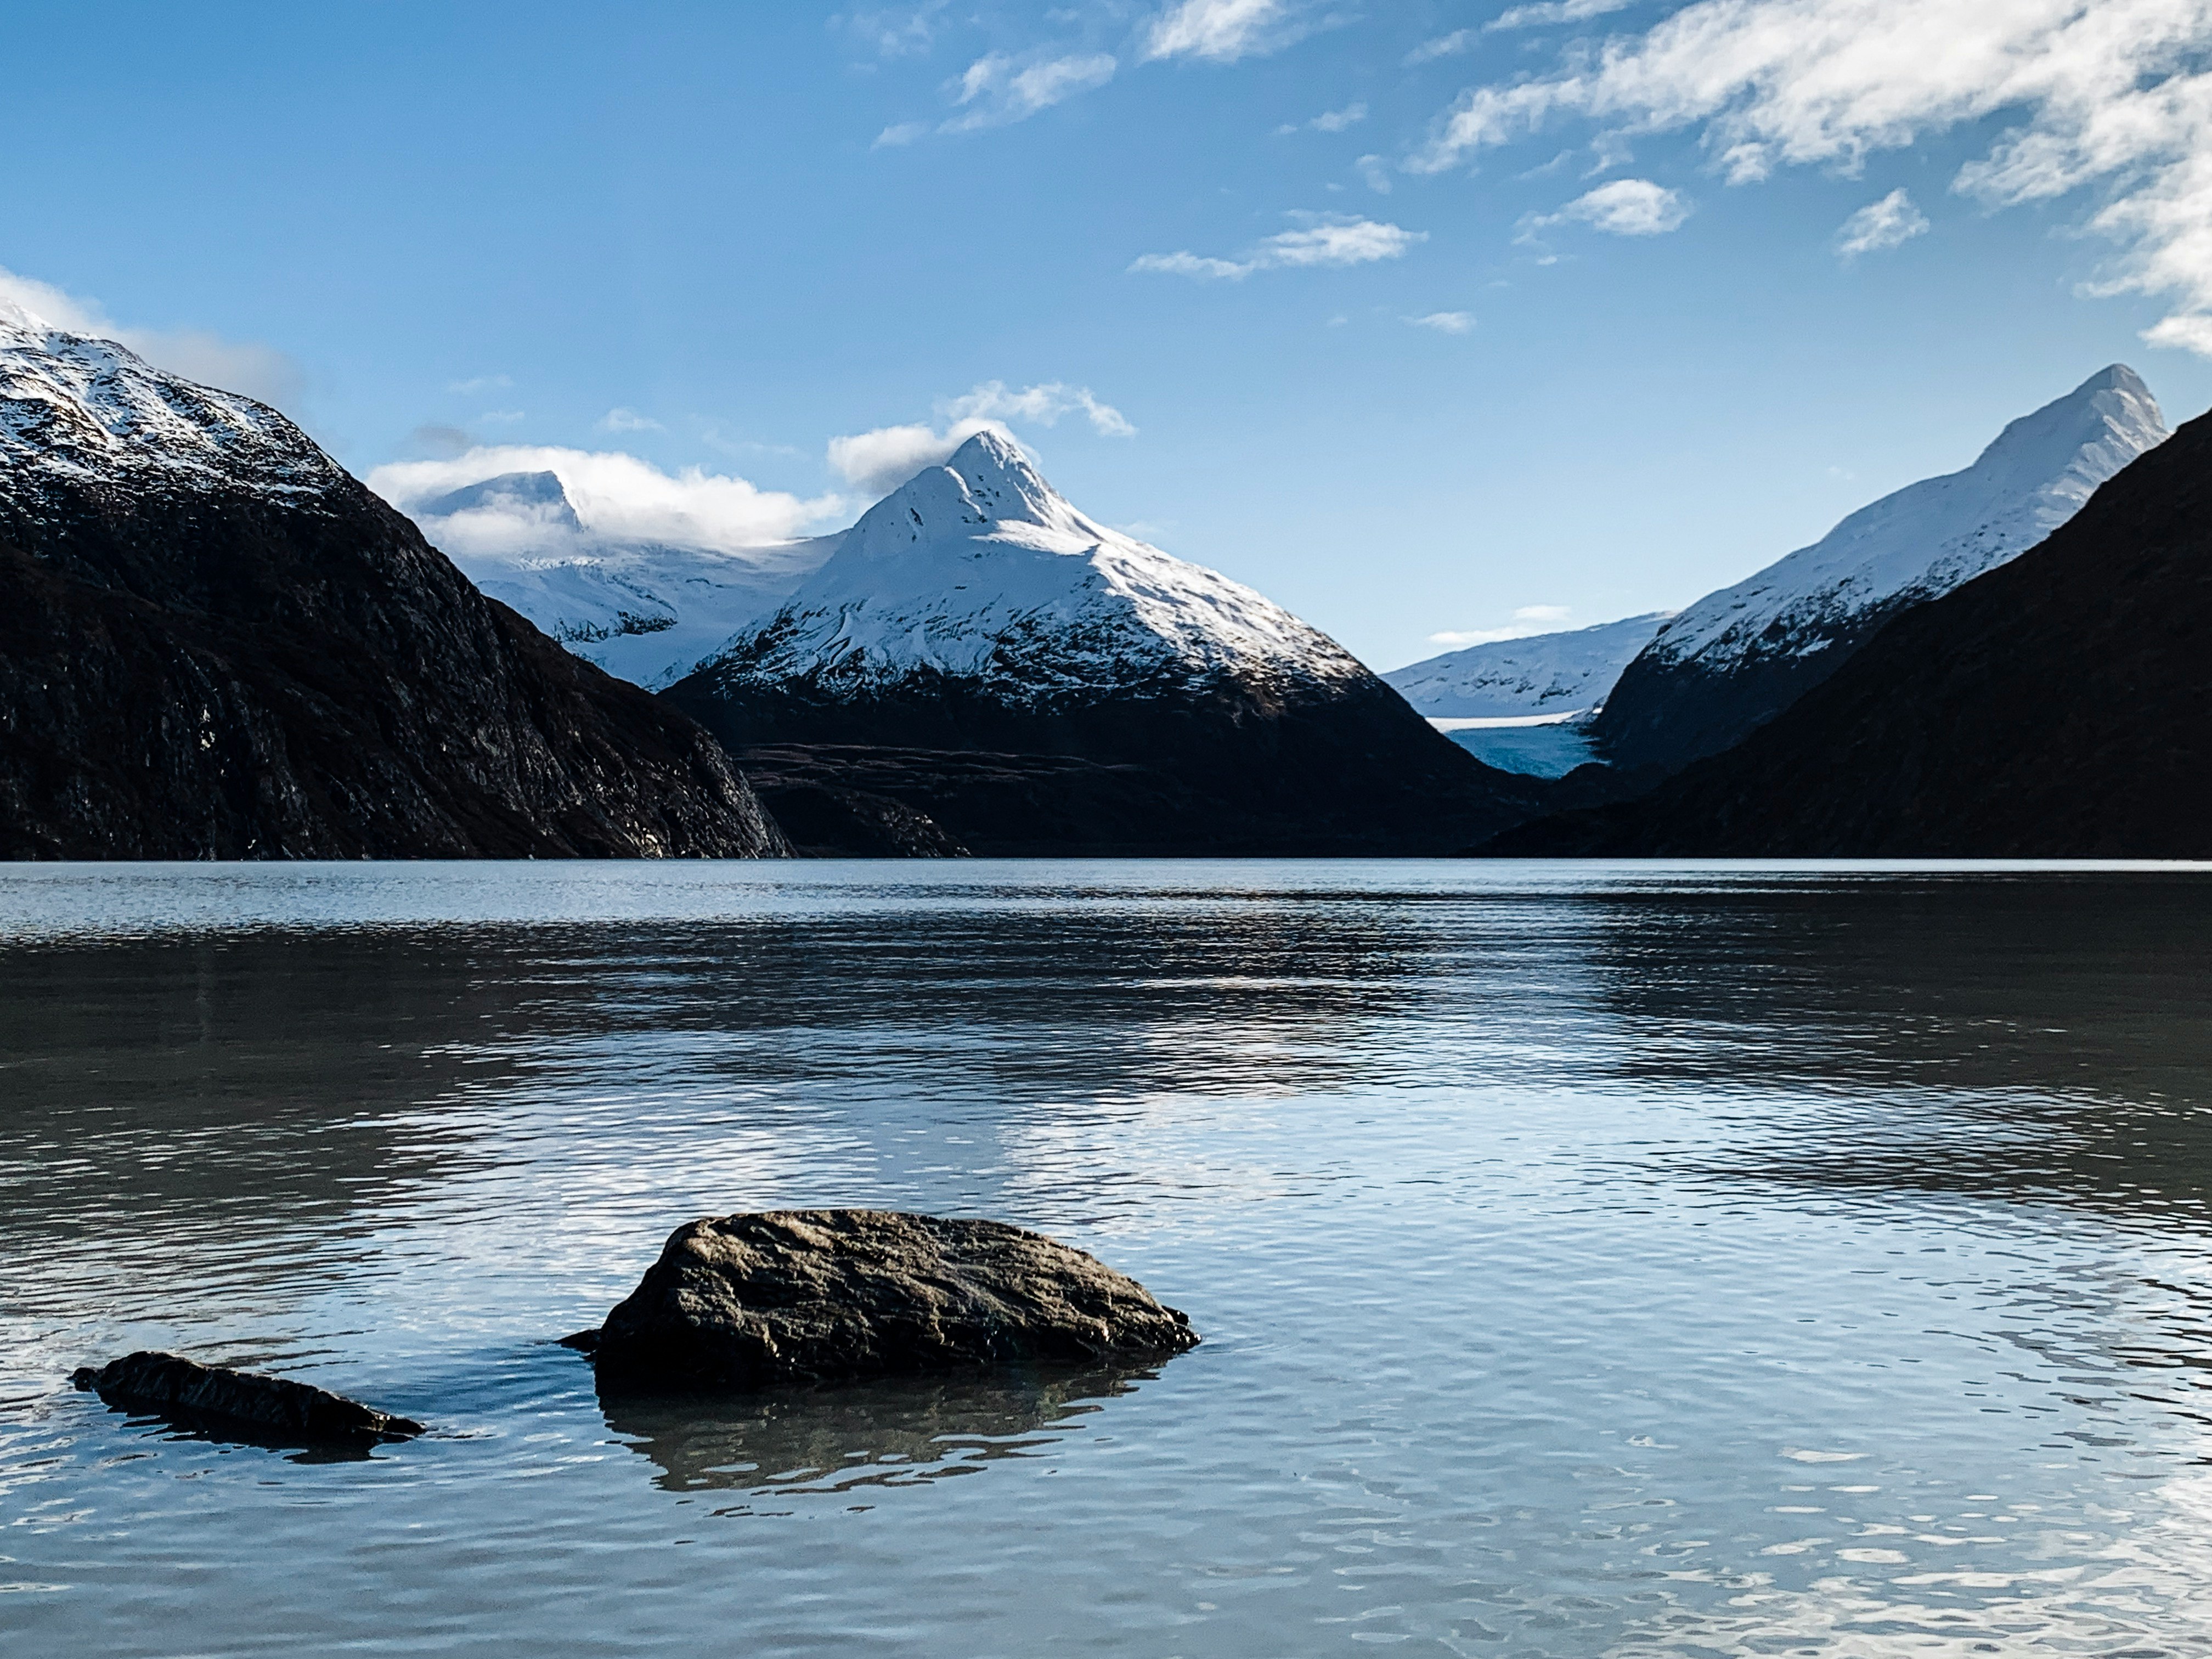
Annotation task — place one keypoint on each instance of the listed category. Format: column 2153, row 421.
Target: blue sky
column 1414, row 321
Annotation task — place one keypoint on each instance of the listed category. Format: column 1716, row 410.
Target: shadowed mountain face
column 1134, row 703
column 2058, row 706
column 217, row 644
column 1738, row 657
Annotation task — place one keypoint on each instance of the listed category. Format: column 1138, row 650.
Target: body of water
column 1591, row 1260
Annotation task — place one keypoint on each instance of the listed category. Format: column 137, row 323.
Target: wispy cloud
column 1881, row 224
column 1445, row 45
column 1626, row 207
column 480, row 384
column 502, row 417
column 878, row 461
column 1223, row 31
column 2113, row 97
column 1044, row 404
column 1000, row 89
column 1446, row 322
column 1376, row 174
column 1335, row 120
column 614, row 496
column 1528, row 621
column 1552, row 12
column 1324, row 239
column 626, row 420
column 896, row 31
column 242, row 365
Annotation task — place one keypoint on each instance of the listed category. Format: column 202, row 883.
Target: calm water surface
column 1592, row 1261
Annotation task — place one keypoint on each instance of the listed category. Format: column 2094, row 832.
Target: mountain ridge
column 1740, row 654
column 2053, row 706
column 219, row 644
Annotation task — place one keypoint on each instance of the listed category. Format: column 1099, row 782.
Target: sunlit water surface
column 1591, row 1261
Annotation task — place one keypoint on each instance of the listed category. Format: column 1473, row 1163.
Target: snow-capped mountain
column 980, row 572
column 75, row 411
column 1737, row 657
column 219, row 644
column 1542, row 675
column 644, row 612
column 975, row 609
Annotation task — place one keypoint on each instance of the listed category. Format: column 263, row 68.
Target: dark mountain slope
column 2060, row 706
column 1738, row 657
column 214, row 643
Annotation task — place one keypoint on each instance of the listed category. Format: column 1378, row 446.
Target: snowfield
column 979, row 571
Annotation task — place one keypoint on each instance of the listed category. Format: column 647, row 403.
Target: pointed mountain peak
column 1001, row 480
column 535, row 496
column 2113, row 411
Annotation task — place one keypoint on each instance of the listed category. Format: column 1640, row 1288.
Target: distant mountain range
column 1650, row 694
column 644, row 612
column 1526, row 705
column 217, row 644
column 2056, row 706
column 1133, row 701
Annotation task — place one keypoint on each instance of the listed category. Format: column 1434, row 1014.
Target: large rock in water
column 810, row 1295
column 215, row 643
column 168, row 1382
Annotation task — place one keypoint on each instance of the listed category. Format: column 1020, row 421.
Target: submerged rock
column 170, row 1383
column 802, row 1296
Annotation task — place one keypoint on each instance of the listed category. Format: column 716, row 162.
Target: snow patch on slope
column 978, row 570
column 1554, row 675
column 86, row 410
column 1930, row 537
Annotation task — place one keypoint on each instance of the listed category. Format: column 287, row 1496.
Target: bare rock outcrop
column 810, row 1296
column 171, row 1384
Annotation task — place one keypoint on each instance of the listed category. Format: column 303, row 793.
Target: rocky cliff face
column 216, row 644
column 2055, row 707
column 1130, row 702
column 1739, row 656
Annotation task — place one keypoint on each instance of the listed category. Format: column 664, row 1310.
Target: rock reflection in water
column 838, row 1438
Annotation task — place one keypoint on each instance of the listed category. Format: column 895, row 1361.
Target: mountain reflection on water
column 1592, row 1260
column 841, row 1438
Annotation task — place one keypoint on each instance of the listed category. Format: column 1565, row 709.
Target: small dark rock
column 170, row 1382
column 807, row 1296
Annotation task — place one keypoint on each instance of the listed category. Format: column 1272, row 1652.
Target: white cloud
column 1528, row 621
column 1878, row 225
column 878, row 462
column 1445, row 45
column 1626, row 207
column 1550, row 12
column 1044, row 404
column 1337, row 120
column 481, row 383
column 1446, row 322
column 998, row 89
column 614, row 496
column 1223, row 31
column 1192, row 264
column 2108, row 96
column 241, row 366
column 502, row 417
column 626, row 420
column 1376, row 173
column 1324, row 239
column 904, row 133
